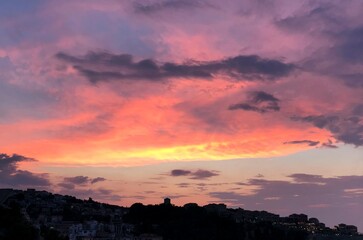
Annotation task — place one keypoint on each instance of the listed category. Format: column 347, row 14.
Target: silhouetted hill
column 41, row 215
column 14, row 226
column 196, row 222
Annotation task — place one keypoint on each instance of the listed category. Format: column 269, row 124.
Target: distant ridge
column 43, row 215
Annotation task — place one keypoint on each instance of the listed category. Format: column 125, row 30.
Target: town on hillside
column 41, row 215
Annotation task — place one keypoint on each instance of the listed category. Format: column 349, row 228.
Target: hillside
column 40, row 215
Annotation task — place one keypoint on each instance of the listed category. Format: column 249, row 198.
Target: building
column 167, row 201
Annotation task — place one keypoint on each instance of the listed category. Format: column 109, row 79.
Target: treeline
column 194, row 222
column 14, row 226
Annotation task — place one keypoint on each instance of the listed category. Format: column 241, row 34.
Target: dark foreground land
column 38, row 215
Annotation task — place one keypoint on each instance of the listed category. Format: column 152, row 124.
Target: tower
column 167, row 201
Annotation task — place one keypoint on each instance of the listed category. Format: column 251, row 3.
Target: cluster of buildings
column 71, row 218
column 317, row 229
column 76, row 219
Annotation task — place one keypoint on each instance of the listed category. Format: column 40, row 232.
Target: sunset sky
column 256, row 104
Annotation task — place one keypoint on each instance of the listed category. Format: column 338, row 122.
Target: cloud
column 21, row 101
column 97, row 179
column 9, row 163
column 199, row 174
column 94, row 126
column 347, row 51
column 77, row 180
column 103, row 66
column 315, row 187
column 258, row 101
column 319, row 121
column 246, row 107
column 82, row 187
column 180, row 172
column 203, row 174
column 10, row 175
column 328, row 144
column 67, row 185
column 80, row 180
column 354, row 80
column 307, row 178
column 100, row 194
column 351, row 45
column 308, row 142
column 260, row 96
column 338, row 37
column 183, row 185
column 175, row 196
column 302, row 187
column 312, row 19
column 347, row 129
column 358, row 110
column 311, row 194
column 154, row 7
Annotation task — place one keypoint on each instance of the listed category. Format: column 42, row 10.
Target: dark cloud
column 328, row 144
column 319, row 121
column 97, row 179
column 350, row 47
column 199, row 174
column 308, row 142
column 246, row 107
column 260, row 96
column 258, row 101
column 203, row 174
column 149, row 192
column 354, row 80
column 343, row 35
column 180, row 172
column 183, row 185
column 9, row 163
column 315, row 19
column 11, row 176
column 77, row 180
column 80, row 186
column 102, row 66
column 307, row 178
column 153, row 7
column 81, row 180
column 67, row 185
column 347, row 51
column 347, row 129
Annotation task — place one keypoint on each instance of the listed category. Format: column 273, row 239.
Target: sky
column 255, row 104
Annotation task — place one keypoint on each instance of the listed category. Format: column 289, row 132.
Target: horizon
column 255, row 104
column 171, row 204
